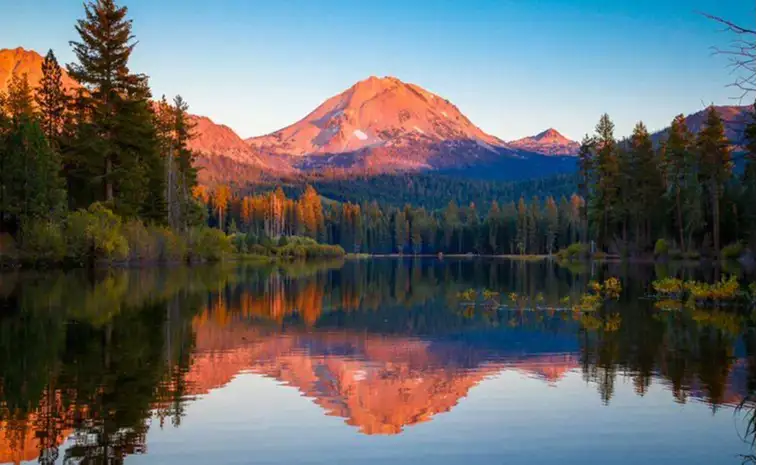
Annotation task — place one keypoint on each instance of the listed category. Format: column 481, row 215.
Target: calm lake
column 374, row 361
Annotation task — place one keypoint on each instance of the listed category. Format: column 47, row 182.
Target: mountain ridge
column 378, row 125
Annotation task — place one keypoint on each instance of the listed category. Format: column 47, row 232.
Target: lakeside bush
column 574, row 251
column 42, row 241
column 95, row 234
column 732, row 251
column 287, row 247
column 661, row 248
column 208, row 244
column 99, row 235
column 170, row 246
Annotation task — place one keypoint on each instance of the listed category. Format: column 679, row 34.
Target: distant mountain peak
column 547, row 142
column 551, row 134
column 384, row 124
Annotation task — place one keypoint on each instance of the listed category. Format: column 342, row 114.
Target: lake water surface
column 376, row 361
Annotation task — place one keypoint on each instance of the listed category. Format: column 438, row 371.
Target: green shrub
column 142, row 245
column 170, row 246
column 732, row 251
column 42, row 241
column 691, row 255
column 239, row 241
column 574, row 251
column 8, row 246
column 209, row 244
column 675, row 254
column 95, row 233
column 257, row 249
column 661, row 248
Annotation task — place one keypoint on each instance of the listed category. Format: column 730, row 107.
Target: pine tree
column 451, row 224
column 714, row 154
column 586, row 177
column 32, row 186
column 677, row 162
column 19, row 101
column 605, row 208
column 534, row 226
column 51, row 100
column 552, row 223
column 521, row 238
column 748, row 182
column 646, row 184
column 401, row 231
column 124, row 150
column 493, row 224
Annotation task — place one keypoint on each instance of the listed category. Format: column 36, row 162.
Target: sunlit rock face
column 549, row 142
column 20, row 62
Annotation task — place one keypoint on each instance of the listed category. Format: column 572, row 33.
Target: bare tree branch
column 740, row 54
column 731, row 26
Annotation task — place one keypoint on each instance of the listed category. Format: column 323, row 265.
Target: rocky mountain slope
column 549, row 142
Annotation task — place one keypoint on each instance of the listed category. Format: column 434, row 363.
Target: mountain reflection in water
column 88, row 364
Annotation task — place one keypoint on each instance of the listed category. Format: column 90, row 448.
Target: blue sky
column 513, row 67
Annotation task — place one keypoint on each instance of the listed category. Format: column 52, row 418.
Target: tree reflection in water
column 95, row 359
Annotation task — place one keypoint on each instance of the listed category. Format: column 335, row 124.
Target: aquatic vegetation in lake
column 598, row 294
column 698, row 292
column 594, row 323
column 668, row 286
column 592, row 300
column 668, row 304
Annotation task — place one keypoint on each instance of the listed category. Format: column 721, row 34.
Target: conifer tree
column 748, row 181
column 715, row 165
column 586, row 179
column 604, row 210
column 123, row 152
column 51, row 100
column 677, row 156
column 646, row 184
column 521, row 239
column 552, row 224
column 493, row 222
column 19, row 101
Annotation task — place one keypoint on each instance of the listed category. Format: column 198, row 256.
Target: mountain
column 19, row 61
column 735, row 118
column 383, row 124
column 549, row 142
column 379, row 125
column 221, row 154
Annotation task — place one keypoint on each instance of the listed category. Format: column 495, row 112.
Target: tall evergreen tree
column 646, row 184
column 124, row 150
column 552, row 224
column 715, row 164
column 51, row 100
column 677, row 161
column 748, row 182
column 604, row 210
column 586, row 178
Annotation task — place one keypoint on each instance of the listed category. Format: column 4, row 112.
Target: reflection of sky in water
column 508, row 418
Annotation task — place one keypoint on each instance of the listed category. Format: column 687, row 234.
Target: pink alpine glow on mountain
column 375, row 112
column 549, row 142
